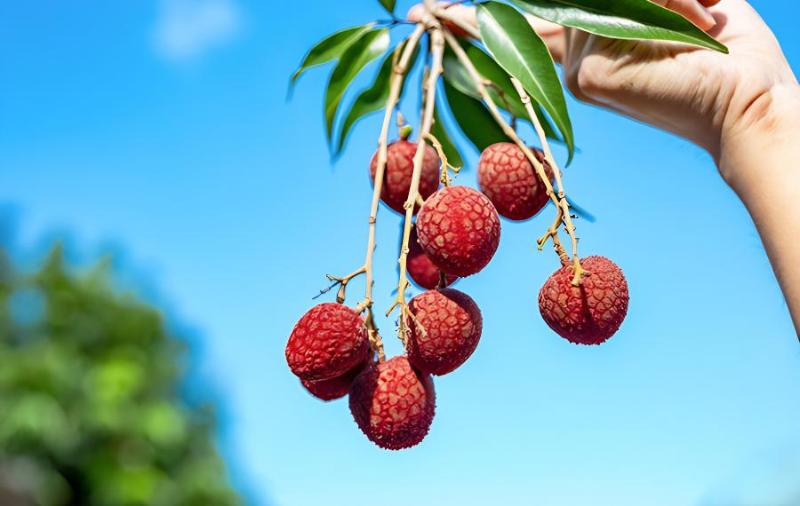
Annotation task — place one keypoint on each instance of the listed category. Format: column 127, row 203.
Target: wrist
column 757, row 144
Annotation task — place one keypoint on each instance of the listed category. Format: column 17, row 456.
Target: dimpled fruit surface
column 393, row 404
column 445, row 330
column 590, row 313
column 398, row 172
column 507, row 177
column 421, row 269
column 329, row 340
column 459, row 230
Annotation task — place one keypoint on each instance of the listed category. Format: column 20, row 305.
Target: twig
column 398, row 74
column 509, row 131
column 445, row 165
column 563, row 204
column 437, row 54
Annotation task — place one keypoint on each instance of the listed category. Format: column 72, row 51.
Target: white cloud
column 187, row 29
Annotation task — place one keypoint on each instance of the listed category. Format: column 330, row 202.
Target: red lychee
column 329, row 340
column 445, row 330
column 398, row 172
column 590, row 313
column 334, row 388
column 459, row 230
column 420, row 268
column 507, row 177
column 393, row 404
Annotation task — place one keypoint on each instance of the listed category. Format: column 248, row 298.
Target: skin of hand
column 743, row 108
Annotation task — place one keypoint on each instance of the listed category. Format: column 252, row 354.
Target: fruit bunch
column 449, row 232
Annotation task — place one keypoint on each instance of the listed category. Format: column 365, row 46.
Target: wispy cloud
column 187, row 29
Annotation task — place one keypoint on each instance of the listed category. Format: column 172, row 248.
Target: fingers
column 553, row 35
column 693, row 10
column 461, row 12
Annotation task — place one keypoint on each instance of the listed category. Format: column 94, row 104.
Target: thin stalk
column 564, row 213
column 437, row 54
column 395, row 86
column 512, row 134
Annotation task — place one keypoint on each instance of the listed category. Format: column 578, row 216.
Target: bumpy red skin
column 459, row 230
column 334, row 388
column 452, row 326
column 507, row 177
column 589, row 314
column 393, row 404
column 399, row 169
column 420, row 268
column 329, row 340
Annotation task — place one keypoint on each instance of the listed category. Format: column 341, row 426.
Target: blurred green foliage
column 91, row 411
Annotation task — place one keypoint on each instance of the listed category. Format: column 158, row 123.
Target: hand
column 744, row 108
column 696, row 93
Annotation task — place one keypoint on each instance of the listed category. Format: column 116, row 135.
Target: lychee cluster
column 334, row 349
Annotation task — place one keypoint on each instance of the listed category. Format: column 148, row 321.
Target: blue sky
column 161, row 129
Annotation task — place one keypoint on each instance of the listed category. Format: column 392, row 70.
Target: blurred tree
column 90, row 404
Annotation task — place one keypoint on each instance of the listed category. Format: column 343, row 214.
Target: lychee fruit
column 507, row 177
column 590, row 313
column 329, row 340
column 334, row 388
column 393, row 404
column 459, row 230
column 421, row 269
column 445, row 330
column 398, row 172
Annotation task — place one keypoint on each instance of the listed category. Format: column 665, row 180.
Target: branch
column 437, row 54
column 395, row 86
column 509, row 131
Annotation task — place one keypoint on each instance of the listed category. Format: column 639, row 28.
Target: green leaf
column 622, row 19
column 473, row 118
column 373, row 98
column 491, row 71
column 521, row 52
column 353, row 60
column 388, row 5
column 439, row 131
column 330, row 48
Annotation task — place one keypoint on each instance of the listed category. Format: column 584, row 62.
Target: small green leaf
column 330, row 48
column 473, row 118
column 353, row 60
column 622, row 19
column 521, row 52
column 373, row 98
column 439, row 131
column 388, row 5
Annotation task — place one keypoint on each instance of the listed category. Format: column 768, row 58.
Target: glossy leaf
column 622, row 19
column 388, row 5
column 353, row 60
column 521, row 52
column 473, row 118
column 330, row 48
column 502, row 91
column 373, row 98
column 439, row 130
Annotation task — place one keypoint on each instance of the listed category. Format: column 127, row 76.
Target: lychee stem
column 444, row 178
column 395, row 86
column 563, row 212
column 429, row 92
column 512, row 134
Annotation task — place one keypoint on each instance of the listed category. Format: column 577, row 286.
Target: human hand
column 696, row 93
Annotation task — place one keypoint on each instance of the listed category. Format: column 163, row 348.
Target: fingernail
column 708, row 18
